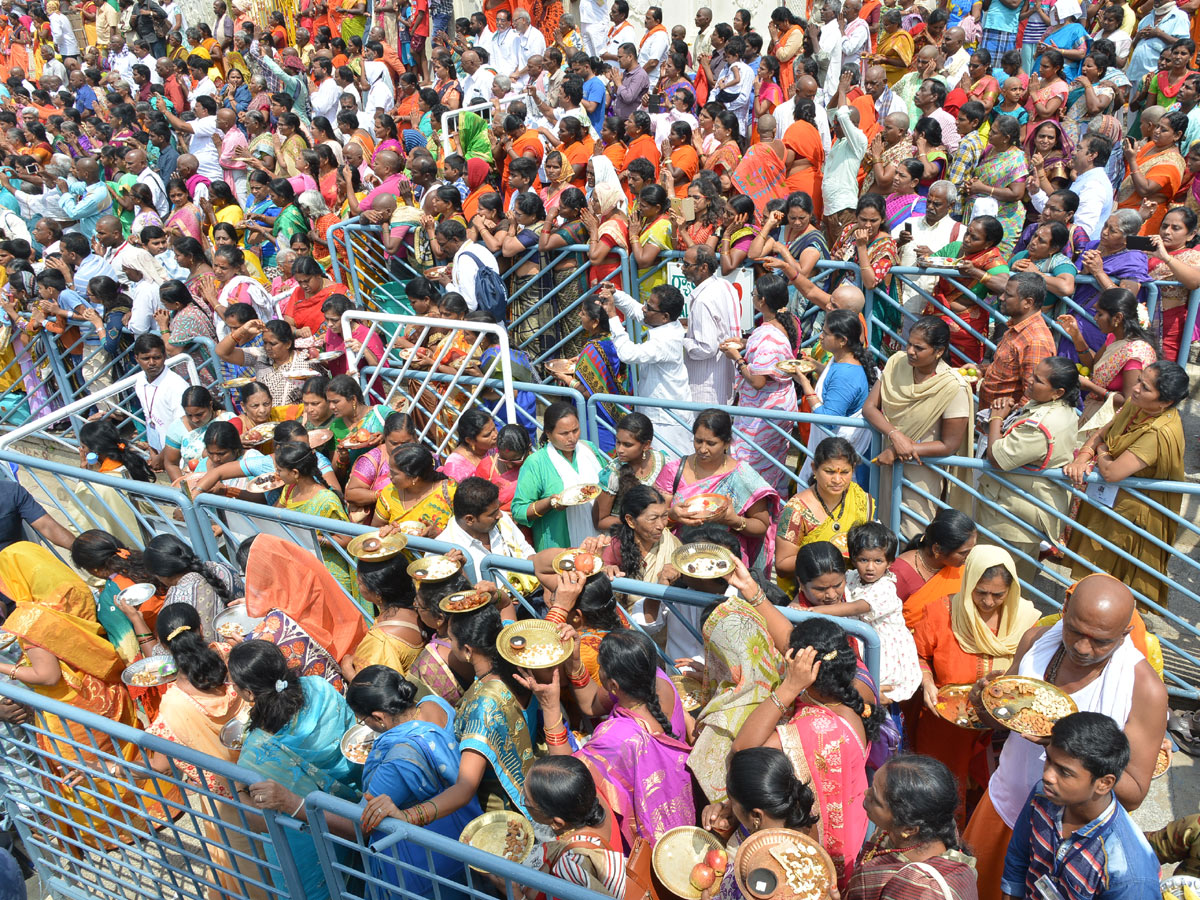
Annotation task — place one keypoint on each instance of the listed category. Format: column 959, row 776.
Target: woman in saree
column 182, row 317
column 352, row 416
column 711, row 469
column 185, row 218
column 931, row 566
column 1000, row 177
column 418, row 493
column 724, row 158
column 868, row 243
column 983, row 271
column 395, row 638
column 922, row 407
column 827, row 736
column 303, row 309
column 18, row 294
column 638, row 753
column 895, row 49
column 1049, row 152
column 1144, row 440
column 759, row 383
column 240, row 277
column 641, row 546
column 472, row 139
column 476, row 432
column 414, row 757
column 1175, row 259
column 1126, row 350
column 292, row 741
column 826, row 510
column 1045, row 257
column 527, row 316
column 650, row 236
column 290, row 146
column 289, row 221
column 445, row 82
column 563, row 461
column 904, row 202
column 960, row 639
column 978, row 81
column 558, row 179
column 437, row 665
column 478, row 170
column 305, row 492
column 201, row 281
column 1048, row 93
column 564, row 227
column 104, row 557
column 607, row 227
column 370, row 475
column 737, row 235
column 1091, row 95
column 1154, row 170
column 598, row 369
column 802, row 241
column 65, row 658
column 274, row 363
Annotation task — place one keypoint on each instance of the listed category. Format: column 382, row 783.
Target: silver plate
column 163, row 667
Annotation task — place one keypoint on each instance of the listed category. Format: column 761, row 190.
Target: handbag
column 640, row 883
column 936, row 876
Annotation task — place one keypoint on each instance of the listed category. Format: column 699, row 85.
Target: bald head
column 87, row 169
column 386, row 163
column 1096, row 619
column 955, row 38
column 187, row 165
column 766, row 127
column 847, row 296
column 108, row 231
column 384, row 203
column 806, row 87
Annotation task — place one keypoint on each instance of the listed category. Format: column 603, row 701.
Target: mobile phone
column 685, row 206
column 908, row 228
column 656, row 103
column 1139, row 243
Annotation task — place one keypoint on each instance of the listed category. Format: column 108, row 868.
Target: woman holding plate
column 354, row 418
column 370, row 475
column 552, row 477
column 635, row 461
column 394, row 638
column 959, row 640
column 274, row 364
column 438, row 665
column 419, row 492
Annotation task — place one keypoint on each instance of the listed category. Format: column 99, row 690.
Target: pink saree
column 642, row 776
column 433, row 671
column 828, row 756
column 187, row 220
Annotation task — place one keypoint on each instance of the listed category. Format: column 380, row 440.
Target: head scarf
column 472, row 138
column 604, row 172
column 145, row 262
column 1064, row 141
column 25, row 282
column 282, row 576
column 1107, row 126
column 609, row 197
column 413, row 139
column 1017, row 615
column 478, row 170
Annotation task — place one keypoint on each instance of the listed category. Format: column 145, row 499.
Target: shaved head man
column 1091, row 656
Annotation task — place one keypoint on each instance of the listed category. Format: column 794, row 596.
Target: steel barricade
column 100, row 820
column 968, row 483
column 357, row 248
column 482, row 108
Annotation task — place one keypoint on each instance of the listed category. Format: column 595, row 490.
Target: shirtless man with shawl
column 1090, row 655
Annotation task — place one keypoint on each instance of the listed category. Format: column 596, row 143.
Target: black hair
column 345, row 386
column 387, row 579
column 719, row 422
column 103, row 439
column 993, row 230
column 290, row 431
column 818, row 558
column 633, row 502
column 1170, row 380
column 259, row 667
column 642, row 429
column 1118, row 301
column 772, row 290
column 653, row 195
column 473, row 496
column 1095, row 740
column 763, row 778
column 1064, row 376
column 1059, row 236
column 872, row 536
column 96, row 549
column 300, row 457
column 246, row 391
column 629, row 658
column 555, row 413
column 1029, row 286
column 396, row 421
column 936, row 331
column 380, row 689
column 203, row 667
column 562, row 788
column 598, row 605
column 478, row 630
column 839, row 664
column 846, row 324
column 921, row 792
column 167, row 556
column 144, row 343
column 670, row 301
column 513, row 439
column 417, row 460
column 914, row 167
column 471, row 424
column 948, row 530
column 833, row 447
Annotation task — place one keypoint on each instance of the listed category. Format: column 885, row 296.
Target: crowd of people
column 1032, row 164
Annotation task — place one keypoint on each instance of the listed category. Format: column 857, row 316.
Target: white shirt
column 382, row 92
column 956, row 65
column 713, row 316
column 829, row 55
column 203, row 88
column 662, row 374
column 65, row 41
column 504, row 51
column 162, row 403
column 478, row 86
column 593, row 12
column 532, row 44
column 895, row 105
column 202, row 147
column 654, row 49
column 325, row 99
column 505, row 540
column 158, row 191
column 143, row 305
column 1122, row 43
column 935, row 237
column 618, row 35
column 13, row 227
column 1095, row 200
column 122, row 63
column 53, row 67
column 854, row 42
column 785, row 115
column 465, row 266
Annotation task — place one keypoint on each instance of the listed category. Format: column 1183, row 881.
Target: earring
column 645, row 455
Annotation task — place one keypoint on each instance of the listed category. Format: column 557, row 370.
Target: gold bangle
column 778, row 703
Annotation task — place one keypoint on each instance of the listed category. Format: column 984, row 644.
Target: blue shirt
column 959, row 10
column 85, row 97
column 844, row 391
column 999, row 17
column 594, row 92
column 1107, row 859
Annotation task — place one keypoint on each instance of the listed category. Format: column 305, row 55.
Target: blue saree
column 493, row 724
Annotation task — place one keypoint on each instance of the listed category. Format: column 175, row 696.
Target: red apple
column 703, row 877
column 717, row 859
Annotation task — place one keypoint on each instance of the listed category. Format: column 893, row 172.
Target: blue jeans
column 441, row 23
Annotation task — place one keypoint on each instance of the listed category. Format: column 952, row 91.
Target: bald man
column 805, row 88
column 1089, row 655
column 388, row 168
column 887, row 102
column 889, row 149
column 955, row 54
column 85, row 203
column 702, row 45
column 856, row 34
column 138, row 165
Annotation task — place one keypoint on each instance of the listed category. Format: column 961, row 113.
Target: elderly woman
column 1091, row 94
column 1112, row 264
column 607, row 227
column 315, row 208
column 896, row 49
column 922, row 407
column 982, row 271
column 1144, row 440
column 975, row 630
column 1000, row 177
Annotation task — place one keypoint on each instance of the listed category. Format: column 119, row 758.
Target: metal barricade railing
column 356, row 250
column 483, row 108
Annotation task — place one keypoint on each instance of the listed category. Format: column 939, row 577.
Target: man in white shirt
column 202, row 85
column 621, row 32
column 593, row 17
column 530, row 41
column 856, row 35
column 202, row 128
column 85, row 265
column 121, row 59
column 159, row 391
column 654, row 44
column 326, row 94
column 1091, row 184
column 138, row 165
column 52, row 66
column 468, row 256
column 479, row 525
column 504, row 47
column 929, row 99
column 714, row 315
column 785, row 113
column 477, row 83
column 956, row 55
column 926, row 235
column 63, row 34
column 662, row 374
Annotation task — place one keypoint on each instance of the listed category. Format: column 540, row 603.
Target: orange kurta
column 962, row 749
column 787, row 72
column 528, row 143
column 687, row 160
column 868, row 122
column 803, row 139
column 643, row 147
column 616, row 153
column 578, row 154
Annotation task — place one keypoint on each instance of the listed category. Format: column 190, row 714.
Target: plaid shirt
column 962, row 167
column 1024, row 345
column 1106, row 859
column 890, row 875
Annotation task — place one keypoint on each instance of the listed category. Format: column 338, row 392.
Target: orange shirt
column 578, row 154
column 644, row 147
column 687, row 160
column 405, row 109
column 616, row 155
column 526, row 144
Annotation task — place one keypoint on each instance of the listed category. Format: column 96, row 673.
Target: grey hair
column 283, row 255
column 1128, row 221
column 503, row 82
column 312, row 204
column 522, row 14
column 567, row 19
column 952, row 191
column 835, row 5
column 259, row 80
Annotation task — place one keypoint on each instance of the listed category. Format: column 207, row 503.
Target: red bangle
column 556, row 614
column 556, row 737
column 583, row 680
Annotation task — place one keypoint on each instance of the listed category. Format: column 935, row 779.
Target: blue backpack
column 490, row 294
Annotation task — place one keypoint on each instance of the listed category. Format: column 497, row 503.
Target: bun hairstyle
column 259, row 668
column 763, row 778
column 562, row 788
column 598, row 605
column 629, row 658
column 95, row 549
column 948, row 530
column 300, row 458
column 103, row 439
column 380, row 689
column 839, row 666
column 180, row 632
column 388, row 580
column 167, row 556
column 921, row 792
column 479, row 630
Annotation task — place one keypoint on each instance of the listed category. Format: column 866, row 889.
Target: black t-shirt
column 16, row 507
